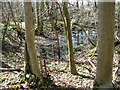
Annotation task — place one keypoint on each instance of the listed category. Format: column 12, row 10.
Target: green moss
column 11, row 79
column 76, row 49
column 22, row 80
column 91, row 52
column 80, row 77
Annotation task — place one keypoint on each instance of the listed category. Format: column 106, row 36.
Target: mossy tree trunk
column 69, row 39
column 106, row 14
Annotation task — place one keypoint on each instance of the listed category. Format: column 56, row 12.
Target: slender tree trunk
column 38, row 15
column 56, row 16
column 41, row 18
column 52, row 21
column 118, row 14
column 29, row 24
column 78, row 36
column 95, row 3
column 69, row 40
column 77, row 20
column 77, row 3
column 106, row 14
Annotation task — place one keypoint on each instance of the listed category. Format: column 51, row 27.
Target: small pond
column 50, row 46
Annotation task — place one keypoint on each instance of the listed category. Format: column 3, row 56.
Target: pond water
column 78, row 37
column 50, row 46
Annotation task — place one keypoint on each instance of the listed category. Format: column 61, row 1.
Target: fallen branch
column 10, row 69
column 89, row 59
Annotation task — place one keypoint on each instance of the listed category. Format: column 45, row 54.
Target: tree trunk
column 38, row 15
column 27, row 64
column 41, row 18
column 77, row 3
column 106, row 14
column 52, row 21
column 69, row 40
column 29, row 24
column 95, row 4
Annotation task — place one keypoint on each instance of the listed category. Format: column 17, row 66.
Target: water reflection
column 78, row 38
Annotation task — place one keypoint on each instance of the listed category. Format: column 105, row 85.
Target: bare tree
column 69, row 39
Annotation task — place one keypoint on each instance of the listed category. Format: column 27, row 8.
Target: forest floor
column 13, row 76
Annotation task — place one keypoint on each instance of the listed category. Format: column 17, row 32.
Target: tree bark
column 106, row 14
column 41, row 18
column 38, row 15
column 29, row 24
column 69, row 40
column 52, row 21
